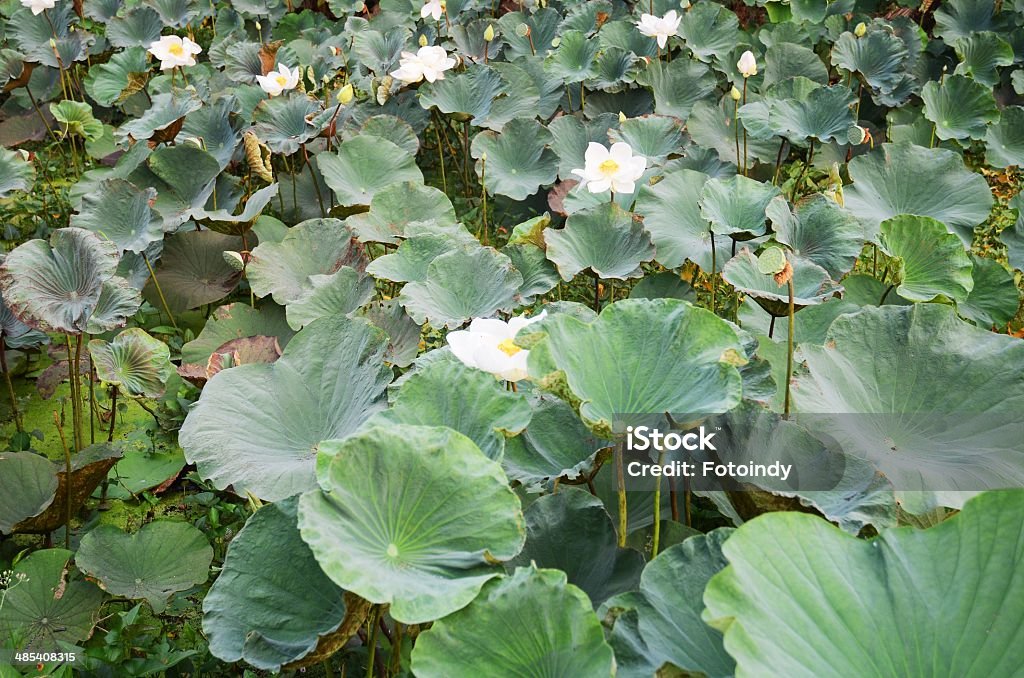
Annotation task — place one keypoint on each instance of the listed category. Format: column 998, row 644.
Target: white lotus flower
column 616, row 168
column 432, row 8
column 661, row 28
column 37, row 6
column 275, row 82
column 427, row 62
column 747, row 65
column 173, row 51
column 489, row 345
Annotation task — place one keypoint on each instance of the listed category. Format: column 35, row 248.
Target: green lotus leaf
column 160, row 559
column 252, row 613
column 960, row 107
column 981, row 54
column 902, row 416
column 192, row 270
column 184, row 177
column 1004, row 141
column 53, row 605
column 223, row 221
column 28, row 482
column 1013, row 237
column 653, row 137
column 613, row 70
column 713, row 126
column 141, row 469
column 642, row 356
column 403, row 333
column 411, row 259
column 812, row 284
column 994, row 299
column 392, row 208
column 32, row 34
column 389, row 127
column 524, row 76
column 542, row 25
column 328, row 381
column 466, row 400
column 572, row 532
column 165, row 111
column 960, row 18
column 929, row 260
column 736, row 204
column 906, row 179
column 388, row 546
column 668, row 608
column 820, row 231
column 340, row 293
column 664, row 285
column 879, row 57
column 821, row 113
column 120, row 212
column 176, row 13
column 462, row 284
column 677, row 85
column 313, row 248
column 236, row 321
column 134, row 360
column 518, row 161
column 570, row 136
column 573, row 60
column 623, row 35
column 379, row 51
column 467, row 94
column 478, row 640
column 865, row 290
column 365, row 165
column 16, row 334
column 285, row 123
column 15, row 173
column 937, row 584
column 75, row 117
column 118, row 301
column 709, row 30
column 138, row 27
column 604, row 239
column 539, row 275
column 787, row 60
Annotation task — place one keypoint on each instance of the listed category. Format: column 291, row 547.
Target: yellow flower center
column 176, row 50
column 281, row 80
column 609, row 166
column 509, row 348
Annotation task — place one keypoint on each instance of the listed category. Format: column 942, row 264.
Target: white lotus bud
column 423, row 40
column 489, row 33
column 747, row 65
column 735, row 93
column 346, row 94
column 860, row 30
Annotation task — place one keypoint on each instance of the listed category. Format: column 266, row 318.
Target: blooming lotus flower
column 661, row 28
column 37, row 6
column 173, row 51
column 427, row 62
column 747, row 65
column 489, row 345
column 615, row 168
column 433, row 8
column 275, row 82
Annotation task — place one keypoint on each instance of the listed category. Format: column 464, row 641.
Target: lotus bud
column 483, row 156
column 346, row 94
column 423, row 40
column 53, row 43
column 334, row 50
column 735, row 93
column 622, row 117
column 25, row 155
column 259, row 26
column 747, row 65
column 860, row 30
column 234, row 260
column 489, row 33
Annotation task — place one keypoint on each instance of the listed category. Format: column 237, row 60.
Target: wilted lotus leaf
column 605, row 239
column 192, row 270
column 1004, row 141
column 120, row 212
column 961, row 108
column 736, row 205
column 396, row 206
column 377, row 539
column 166, row 113
column 820, row 231
column 223, row 221
column 677, row 85
column 478, row 640
column 257, row 349
column 994, row 299
column 518, row 160
column 160, row 559
column 365, row 165
column 236, row 321
column 981, row 55
column 928, row 260
column 135, row 361
column 326, row 384
column 28, row 482
column 16, row 174
column 943, row 582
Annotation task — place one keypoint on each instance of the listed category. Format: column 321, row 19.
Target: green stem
column 789, row 347
column 736, row 130
column 92, row 407
column 483, row 192
column 372, row 635
column 713, row 270
column 440, row 155
column 67, row 481
column 113, row 414
column 10, row 386
column 620, row 482
column 807, row 164
column 885, row 294
column 159, row 292
column 316, row 184
column 657, row 506
column 745, row 168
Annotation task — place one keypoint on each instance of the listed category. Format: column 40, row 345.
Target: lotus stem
column 686, row 502
column 789, row 348
column 316, row 184
column 597, row 294
column 778, row 164
column 620, row 482
column 807, row 164
column 483, row 194
column 465, row 155
column 673, row 499
column 736, row 128
column 113, row 414
column 76, row 403
column 885, row 294
column 92, row 404
column 713, row 270
column 372, row 626
column 440, row 156
column 395, row 660
column 657, row 506
column 159, row 291
column 745, row 168
column 67, row 481
column 10, row 386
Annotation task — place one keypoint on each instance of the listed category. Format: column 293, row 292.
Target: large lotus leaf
column 524, row 76
column 53, row 605
column 677, row 85
column 812, row 284
column 573, row 60
column 311, row 248
column 668, row 608
column 785, row 60
column 572, row 532
column 555, row 444
column 613, row 71
column 120, row 212
column 605, row 239
column 960, row 18
column 981, row 54
column 135, row 361
column 820, row 231
column 736, row 204
column 532, row 623
column 56, row 286
column 941, row 601
column 185, row 179
column 542, row 25
column 365, row 165
column 160, row 559
column 285, row 123
column 653, row 136
column 643, row 357
column 223, row 221
column 1013, row 236
column 713, row 126
column 138, row 27
column 518, row 160
column 176, row 13
column 411, row 258
column 469, row 93
column 424, row 533
column 994, row 299
column 462, row 284
column 1004, row 141
column 28, row 482
column 15, row 333
column 466, row 400
column 16, row 174
column 328, row 381
column 570, row 136
column 115, row 80
column 192, row 270
column 880, row 386
column 908, row 179
column 960, row 107
column 49, row 39
column 272, row 605
column 336, row 294
column 236, row 321
column 393, row 208
column 403, row 333
column 710, row 30
column 879, row 57
column 929, row 260
column 798, row 109
column 166, row 110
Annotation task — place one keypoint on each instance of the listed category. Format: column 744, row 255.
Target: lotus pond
column 329, row 329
